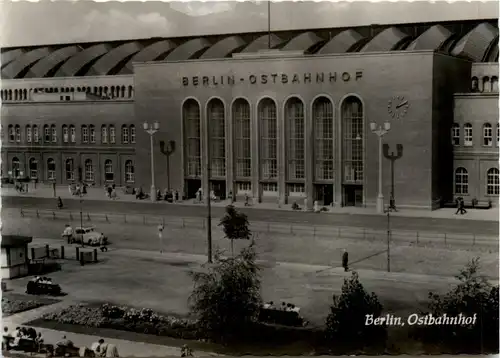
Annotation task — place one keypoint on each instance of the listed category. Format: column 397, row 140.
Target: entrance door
column 192, row 186
column 353, row 195
column 219, row 188
column 324, row 193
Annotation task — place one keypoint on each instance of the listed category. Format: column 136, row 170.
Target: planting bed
column 13, row 303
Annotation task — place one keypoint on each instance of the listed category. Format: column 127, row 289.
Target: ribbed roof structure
column 473, row 40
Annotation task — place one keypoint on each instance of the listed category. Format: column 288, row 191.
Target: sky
column 25, row 23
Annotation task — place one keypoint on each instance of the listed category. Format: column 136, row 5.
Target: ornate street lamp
column 380, row 131
column 151, row 130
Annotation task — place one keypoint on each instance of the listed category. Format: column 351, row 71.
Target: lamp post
column 81, row 194
column 388, row 242
column 380, row 131
column 168, row 149
column 151, row 130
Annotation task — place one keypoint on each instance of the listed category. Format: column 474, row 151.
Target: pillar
column 337, row 141
column 282, row 164
column 205, row 155
column 229, row 139
column 309, row 158
column 254, row 148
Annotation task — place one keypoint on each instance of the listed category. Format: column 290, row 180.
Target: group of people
column 172, row 196
column 111, row 191
column 460, row 206
column 77, row 189
column 64, row 347
column 12, row 340
column 45, row 280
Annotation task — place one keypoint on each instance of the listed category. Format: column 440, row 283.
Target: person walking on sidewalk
column 345, row 260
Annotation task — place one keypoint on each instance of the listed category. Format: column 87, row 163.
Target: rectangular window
column 28, row 134
column 132, row 135
column 243, row 188
column 468, row 136
column 35, row 134
column 65, row 135
column 104, row 135
column 92, row 135
column 112, row 135
column 54, row 135
column 73, row 134
column 12, row 134
column 488, row 137
column 125, row 135
column 455, row 135
column 18, row 134
column 269, row 188
column 85, row 135
column 297, row 189
column 46, row 133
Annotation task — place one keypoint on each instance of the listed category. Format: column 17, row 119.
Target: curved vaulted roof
column 11, row 55
column 341, row 43
column 262, row 43
column 474, row 40
column 224, row 47
column 16, row 67
column 77, row 62
column 303, row 42
column 43, row 67
column 432, row 39
column 106, row 63
column 387, row 40
column 476, row 43
column 149, row 53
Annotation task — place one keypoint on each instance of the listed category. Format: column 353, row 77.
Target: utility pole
column 393, row 157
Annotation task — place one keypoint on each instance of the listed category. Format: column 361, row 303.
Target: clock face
column 398, row 107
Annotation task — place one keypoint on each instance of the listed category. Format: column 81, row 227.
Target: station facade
column 284, row 125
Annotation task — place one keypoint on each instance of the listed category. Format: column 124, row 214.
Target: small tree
column 235, row 226
column 346, row 323
column 473, row 295
column 226, row 297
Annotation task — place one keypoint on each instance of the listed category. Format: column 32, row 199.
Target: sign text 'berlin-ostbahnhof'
column 272, row 78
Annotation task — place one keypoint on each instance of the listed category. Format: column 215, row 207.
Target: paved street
column 452, row 225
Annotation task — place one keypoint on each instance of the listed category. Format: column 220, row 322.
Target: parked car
column 89, row 236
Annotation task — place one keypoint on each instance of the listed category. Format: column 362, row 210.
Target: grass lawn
column 13, row 303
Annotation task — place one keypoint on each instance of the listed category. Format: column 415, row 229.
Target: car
column 89, row 236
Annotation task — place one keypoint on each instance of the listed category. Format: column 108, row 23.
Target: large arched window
column 53, row 133
column 295, row 146
column 36, row 135
column 29, row 134
column 461, row 181
column 89, row 171
column 92, row 133
column 132, row 134
column 352, row 132
column 192, row 138
column 70, row 169
column 323, row 138
column 216, row 123
column 109, row 174
column 16, row 167
column 51, row 169
column 455, row 134
column 33, row 163
column 268, row 132
column 125, row 134
column 486, row 84
column 243, row 154
column 493, row 182
column 468, row 135
column 494, row 84
column 72, row 133
column 487, row 135
column 18, row 133
column 104, row 134
column 65, row 133
column 85, row 134
column 129, row 172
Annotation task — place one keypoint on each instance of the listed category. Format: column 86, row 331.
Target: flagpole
column 269, row 24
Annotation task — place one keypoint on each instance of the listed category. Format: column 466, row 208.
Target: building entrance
column 192, row 186
column 219, row 188
column 353, row 195
column 324, row 193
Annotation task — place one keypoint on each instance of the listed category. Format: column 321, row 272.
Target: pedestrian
column 457, row 202
column 59, row 203
column 345, row 261
column 462, row 207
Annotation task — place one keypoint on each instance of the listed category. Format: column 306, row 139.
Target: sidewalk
column 43, row 191
column 125, row 348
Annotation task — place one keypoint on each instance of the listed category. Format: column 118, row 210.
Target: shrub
column 474, row 295
column 345, row 325
column 226, row 297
